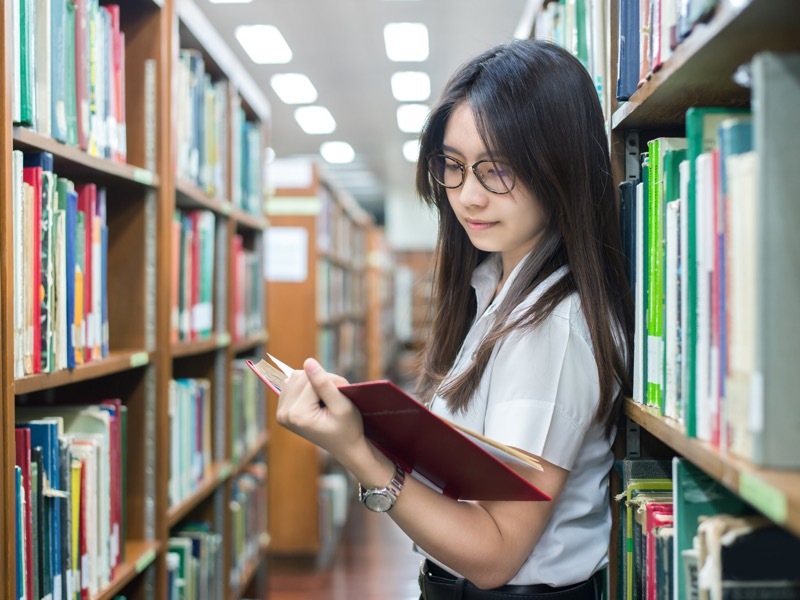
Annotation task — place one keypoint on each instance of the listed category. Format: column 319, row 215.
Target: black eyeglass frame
column 473, row 167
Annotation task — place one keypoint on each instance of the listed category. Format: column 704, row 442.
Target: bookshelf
column 381, row 343
column 144, row 185
column 703, row 70
column 318, row 243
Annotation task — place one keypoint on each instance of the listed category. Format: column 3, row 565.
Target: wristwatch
column 382, row 499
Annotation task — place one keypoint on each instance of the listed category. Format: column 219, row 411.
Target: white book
column 60, row 299
column 704, row 194
column 16, row 98
column 741, row 247
column 672, row 322
column 19, row 264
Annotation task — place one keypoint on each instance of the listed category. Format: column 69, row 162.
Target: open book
column 458, row 462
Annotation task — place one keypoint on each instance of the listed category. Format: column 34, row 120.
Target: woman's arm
column 486, row 542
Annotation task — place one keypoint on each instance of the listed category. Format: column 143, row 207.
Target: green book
column 657, row 148
column 701, row 135
column 70, row 92
column 696, row 494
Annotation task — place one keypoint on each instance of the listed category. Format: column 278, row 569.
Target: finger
column 324, row 385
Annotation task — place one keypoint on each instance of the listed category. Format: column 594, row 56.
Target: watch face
column 378, row 501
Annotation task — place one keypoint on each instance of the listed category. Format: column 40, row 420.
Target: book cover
column 776, row 94
column 701, row 136
column 431, row 448
column 656, row 277
column 22, row 458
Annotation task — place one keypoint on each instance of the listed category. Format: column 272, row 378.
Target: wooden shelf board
column 248, row 220
column 776, row 493
column 115, row 362
column 218, row 472
column 700, row 71
column 250, row 454
column 182, row 349
column 188, row 195
column 69, row 160
column 249, row 342
column 139, row 555
column 251, row 569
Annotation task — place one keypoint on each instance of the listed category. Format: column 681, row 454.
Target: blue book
column 44, row 433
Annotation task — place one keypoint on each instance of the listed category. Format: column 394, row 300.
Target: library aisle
column 374, row 559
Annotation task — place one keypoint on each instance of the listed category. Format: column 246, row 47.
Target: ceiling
column 338, row 44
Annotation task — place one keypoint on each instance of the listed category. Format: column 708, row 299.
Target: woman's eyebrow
column 482, row 156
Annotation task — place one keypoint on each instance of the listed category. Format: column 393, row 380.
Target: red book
column 22, row 458
column 87, row 200
column 657, row 514
column 461, row 464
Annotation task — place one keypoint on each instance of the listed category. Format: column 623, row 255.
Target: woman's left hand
column 311, row 406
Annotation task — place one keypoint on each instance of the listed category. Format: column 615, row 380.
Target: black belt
column 438, row 584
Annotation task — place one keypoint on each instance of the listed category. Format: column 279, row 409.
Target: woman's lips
column 479, row 225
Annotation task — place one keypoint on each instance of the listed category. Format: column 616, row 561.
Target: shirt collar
column 485, row 279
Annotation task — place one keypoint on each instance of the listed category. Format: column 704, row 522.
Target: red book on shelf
column 87, row 202
column 460, row 463
column 22, row 458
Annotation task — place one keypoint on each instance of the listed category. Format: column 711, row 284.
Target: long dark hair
column 535, row 103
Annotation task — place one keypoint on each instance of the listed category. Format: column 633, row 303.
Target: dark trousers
column 437, row 584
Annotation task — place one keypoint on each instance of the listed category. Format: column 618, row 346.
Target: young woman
column 530, row 337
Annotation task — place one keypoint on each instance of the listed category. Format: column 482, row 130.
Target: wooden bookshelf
column 143, row 193
column 703, row 70
column 316, row 310
column 776, row 493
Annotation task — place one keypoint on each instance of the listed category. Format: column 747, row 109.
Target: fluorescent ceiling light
column 406, row 42
column 337, row 152
column 411, row 86
column 293, row 88
column 269, row 157
column 264, row 44
column 411, row 150
column 411, row 117
column 315, row 119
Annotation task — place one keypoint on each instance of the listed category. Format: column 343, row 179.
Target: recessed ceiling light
column 406, row 41
column 411, row 117
column 315, row 120
column 411, row 150
column 293, row 88
column 337, row 152
column 411, row 86
column 264, row 44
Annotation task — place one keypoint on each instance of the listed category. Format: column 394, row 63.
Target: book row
column 69, row 73
column 207, row 138
column 247, row 287
column 650, row 30
column 712, row 272
column 683, row 535
column 192, row 285
column 70, row 466
column 60, row 268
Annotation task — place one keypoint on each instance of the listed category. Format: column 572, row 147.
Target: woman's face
column 511, row 224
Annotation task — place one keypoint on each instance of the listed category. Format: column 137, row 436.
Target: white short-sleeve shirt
column 539, row 393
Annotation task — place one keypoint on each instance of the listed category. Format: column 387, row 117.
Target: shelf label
column 223, row 339
column 139, row 359
column 225, row 208
column 224, row 472
column 145, row 560
column 766, row 498
column 143, row 176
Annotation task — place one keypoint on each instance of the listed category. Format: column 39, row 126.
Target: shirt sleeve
column 544, row 389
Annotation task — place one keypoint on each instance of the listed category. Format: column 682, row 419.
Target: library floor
column 373, row 561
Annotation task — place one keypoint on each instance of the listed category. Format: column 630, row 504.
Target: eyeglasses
column 449, row 172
